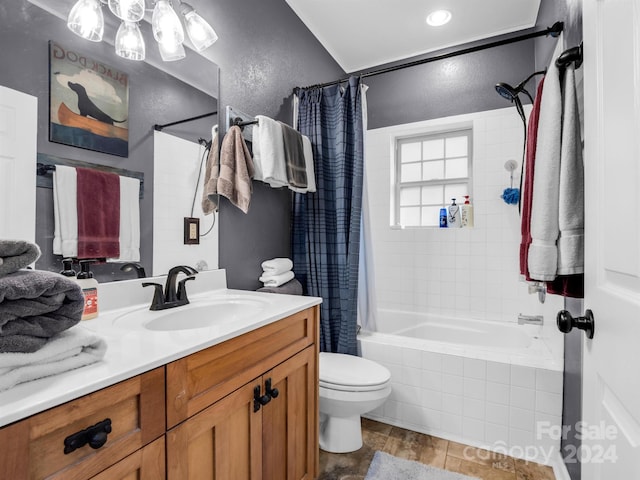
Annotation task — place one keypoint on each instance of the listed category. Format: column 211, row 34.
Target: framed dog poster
column 88, row 102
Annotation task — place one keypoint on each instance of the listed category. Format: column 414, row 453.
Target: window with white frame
column 430, row 170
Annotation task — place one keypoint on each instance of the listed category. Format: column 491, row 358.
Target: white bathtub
column 494, row 385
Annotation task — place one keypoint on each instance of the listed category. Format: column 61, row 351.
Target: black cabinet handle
column 272, row 392
column 95, row 436
column 566, row 322
column 259, row 400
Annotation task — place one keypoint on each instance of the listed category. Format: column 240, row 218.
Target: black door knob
column 566, row 322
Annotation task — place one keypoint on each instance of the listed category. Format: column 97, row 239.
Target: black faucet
column 127, row 267
column 172, row 297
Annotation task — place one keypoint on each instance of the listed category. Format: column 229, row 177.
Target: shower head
column 506, row 91
column 511, row 93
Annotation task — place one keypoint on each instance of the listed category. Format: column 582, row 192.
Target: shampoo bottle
column 466, row 213
column 453, row 219
column 89, row 287
column 443, row 218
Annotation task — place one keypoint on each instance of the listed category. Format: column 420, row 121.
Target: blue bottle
column 443, row 218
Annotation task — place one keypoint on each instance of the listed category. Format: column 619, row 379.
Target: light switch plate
column 191, row 231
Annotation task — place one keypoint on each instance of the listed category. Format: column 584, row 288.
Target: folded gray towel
column 34, row 306
column 16, row 254
column 294, row 157
column 292, row 287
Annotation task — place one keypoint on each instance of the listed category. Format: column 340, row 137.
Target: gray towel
column 16, row 254
column 34, row 306
column 292, row 287
column 294, row 157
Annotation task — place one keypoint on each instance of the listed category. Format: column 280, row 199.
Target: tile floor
column 430, row 450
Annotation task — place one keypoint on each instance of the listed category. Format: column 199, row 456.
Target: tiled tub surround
column 499, row 398
column 468, row 273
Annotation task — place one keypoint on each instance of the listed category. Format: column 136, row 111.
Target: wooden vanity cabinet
column 197, row 417
column 227, row 433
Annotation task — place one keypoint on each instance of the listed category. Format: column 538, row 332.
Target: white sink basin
column 200, row 314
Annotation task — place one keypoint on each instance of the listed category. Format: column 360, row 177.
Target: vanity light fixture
column 439, row 18
column 86, row 20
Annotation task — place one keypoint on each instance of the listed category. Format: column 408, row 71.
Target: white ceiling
column 360, row 34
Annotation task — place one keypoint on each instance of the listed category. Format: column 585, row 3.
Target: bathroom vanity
column 235, row 400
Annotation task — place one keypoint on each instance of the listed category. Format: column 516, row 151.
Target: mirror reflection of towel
column 98, row 214
column 212, row 169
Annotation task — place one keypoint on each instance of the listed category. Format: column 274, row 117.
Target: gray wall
column 461, row 84
column 155, row 97
column 264, row 52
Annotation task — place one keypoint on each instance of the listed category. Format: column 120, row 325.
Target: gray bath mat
column 387, row 467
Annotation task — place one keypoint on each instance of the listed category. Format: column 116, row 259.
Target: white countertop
column 133, row 349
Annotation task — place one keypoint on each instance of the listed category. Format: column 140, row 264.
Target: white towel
column 68, row 350
column 129, row 220
column 543, row 252
column 571, row 206
column 311, row 174
column 276, row 266
column 268, row 152
column 65, row 211
column 276, row 280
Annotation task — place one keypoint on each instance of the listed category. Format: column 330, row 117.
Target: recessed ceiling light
column 438, row 18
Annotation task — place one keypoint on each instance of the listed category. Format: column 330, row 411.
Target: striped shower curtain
column 326, row 224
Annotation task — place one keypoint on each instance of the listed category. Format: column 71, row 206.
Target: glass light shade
column 171, row 52
column 165, row 24
column 128, row 10
column 200, row 32
column 129, row 42
column 86, row 20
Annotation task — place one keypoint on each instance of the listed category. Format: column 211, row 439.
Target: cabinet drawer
column 145, row 464
column 34, row 448
column 197, row 381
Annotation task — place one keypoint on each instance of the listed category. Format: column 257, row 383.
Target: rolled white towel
column 277, row 280
column 276, row 266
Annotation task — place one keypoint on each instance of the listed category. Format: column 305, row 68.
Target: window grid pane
column 432, row 170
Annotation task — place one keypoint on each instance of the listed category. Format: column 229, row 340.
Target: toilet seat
column 352, row 374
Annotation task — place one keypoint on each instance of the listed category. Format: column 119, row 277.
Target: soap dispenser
column 89, row 287
column 453, row 219
column 466, row 213
column 67, row 269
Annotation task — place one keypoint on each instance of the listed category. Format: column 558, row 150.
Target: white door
column 611, row 395
column 18, row 139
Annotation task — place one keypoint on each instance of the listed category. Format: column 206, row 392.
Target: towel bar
column 47, row 164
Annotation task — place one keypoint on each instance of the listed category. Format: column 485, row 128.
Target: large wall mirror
column 160, row 93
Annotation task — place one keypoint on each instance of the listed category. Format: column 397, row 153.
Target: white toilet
column 349, row 387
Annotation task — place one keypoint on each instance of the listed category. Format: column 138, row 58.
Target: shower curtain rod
column 554, row 31
column 204, row 115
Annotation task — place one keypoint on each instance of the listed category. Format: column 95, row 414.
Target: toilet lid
column 340, row 370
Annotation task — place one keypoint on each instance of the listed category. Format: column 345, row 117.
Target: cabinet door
column 145, row 464
column 222, row 442
column 290, row 420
